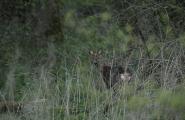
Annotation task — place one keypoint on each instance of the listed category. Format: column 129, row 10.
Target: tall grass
column 77, row 91
column 67, row 87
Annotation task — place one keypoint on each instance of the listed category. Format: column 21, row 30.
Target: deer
column 112, row 74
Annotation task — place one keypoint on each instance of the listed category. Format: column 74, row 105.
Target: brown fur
column 112, row 74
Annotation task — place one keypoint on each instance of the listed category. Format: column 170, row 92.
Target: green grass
column 72, row 94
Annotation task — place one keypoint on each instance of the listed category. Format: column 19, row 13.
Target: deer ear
column 99, row 52
column 91, row 52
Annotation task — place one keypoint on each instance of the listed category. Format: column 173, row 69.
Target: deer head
column 95, row 57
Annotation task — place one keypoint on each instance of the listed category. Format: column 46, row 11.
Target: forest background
column 44, row 55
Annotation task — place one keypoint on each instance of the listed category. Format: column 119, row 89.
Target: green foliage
column 138, row 103
column 172, row 100
column 182, row 40
column 153, row 46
